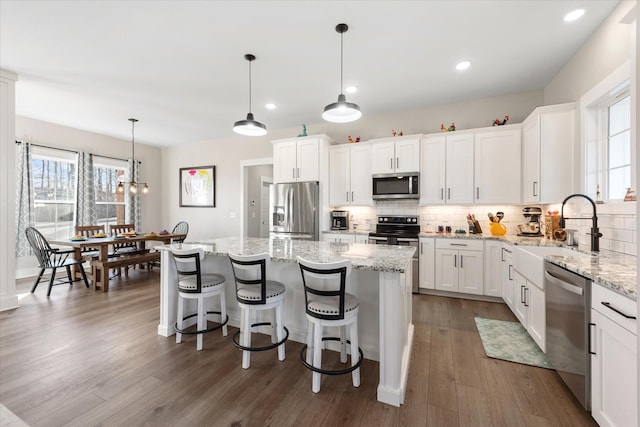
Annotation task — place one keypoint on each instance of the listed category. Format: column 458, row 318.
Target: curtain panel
column 85, row 194
column 133, row 214
column 25, row 199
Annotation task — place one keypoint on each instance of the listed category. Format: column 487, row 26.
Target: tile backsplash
column 617, row 221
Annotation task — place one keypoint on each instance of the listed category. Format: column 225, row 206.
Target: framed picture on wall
column 198, row 187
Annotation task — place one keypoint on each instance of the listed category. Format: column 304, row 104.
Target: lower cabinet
column 508, row 282
column 493, row 251
column 339, row 238
column 529, row 308
column 427, row 253
column 459, row 266
column 614, row 359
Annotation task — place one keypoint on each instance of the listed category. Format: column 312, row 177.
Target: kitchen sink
column 529, row 260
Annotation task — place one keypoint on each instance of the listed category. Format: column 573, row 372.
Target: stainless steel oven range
column 401, row 230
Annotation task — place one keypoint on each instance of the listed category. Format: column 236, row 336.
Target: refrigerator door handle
column 291, row 219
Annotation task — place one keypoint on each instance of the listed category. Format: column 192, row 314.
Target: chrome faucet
column 595, row 232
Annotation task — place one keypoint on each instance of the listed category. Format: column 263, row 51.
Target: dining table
column 103, row 244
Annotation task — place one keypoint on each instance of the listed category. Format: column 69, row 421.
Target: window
column 54, row 187
column 619, row 147
column 109, row 203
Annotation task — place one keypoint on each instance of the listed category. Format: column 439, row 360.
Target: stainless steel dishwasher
column 568, row 301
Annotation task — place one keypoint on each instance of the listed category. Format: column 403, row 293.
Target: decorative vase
column 497, row 229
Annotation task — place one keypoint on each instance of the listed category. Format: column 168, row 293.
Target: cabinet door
column 508, row 284
column 470, row 272
column 382, row 157
column 536, row 318
column 493, row 268
column 407, row 156
column 427, row 263
column 614, row 373
column 432, row 170
column 497, row 166
column 557, row 153
column 362, row 238
column 361, row 182
column 308, row 160
column 339, row 164
column 447, row 270
column 519, row 307
column 531, row 160
column 284, row 162
column 459, row 169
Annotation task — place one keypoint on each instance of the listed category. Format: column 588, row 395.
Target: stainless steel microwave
column 396, row 186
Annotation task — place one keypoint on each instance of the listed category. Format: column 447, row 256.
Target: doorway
column 257, row 177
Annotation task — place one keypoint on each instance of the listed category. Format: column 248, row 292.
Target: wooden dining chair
column 124, row 248
column 90, row 253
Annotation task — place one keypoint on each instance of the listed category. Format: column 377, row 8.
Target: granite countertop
column 613, row 270
column 364, row 257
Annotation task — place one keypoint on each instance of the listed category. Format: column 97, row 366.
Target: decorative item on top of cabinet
column 498, row 122
column 353, row 141
column 451, row 128
column 394, row 133
column 304, row 131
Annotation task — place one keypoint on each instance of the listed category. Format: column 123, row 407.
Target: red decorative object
column 352, row 141
column 449, row 129
column 498, row 122
column 394, row 133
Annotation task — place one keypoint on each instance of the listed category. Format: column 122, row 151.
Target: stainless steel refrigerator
column 293, row 211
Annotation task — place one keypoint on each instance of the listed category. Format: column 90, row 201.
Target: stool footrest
column 236, row 339
column 331, row 372
column 203, row 331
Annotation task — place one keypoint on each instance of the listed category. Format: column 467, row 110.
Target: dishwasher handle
column 564, row 285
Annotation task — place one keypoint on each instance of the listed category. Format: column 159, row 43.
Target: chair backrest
column 181, row 228
column 250, row 270
column 325, row 281
column 116, row 229
column 40, row 246
column 188, row 264
column 88, row 231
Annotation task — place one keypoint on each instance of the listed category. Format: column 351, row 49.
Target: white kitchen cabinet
column 427, row 256
column 459, row 266
column 493, row 250
column 508, row 283
column 548, row 153
column 614, row 359
column 432, row 170
column 299, row 159
column 350, row 175
column 529, row 308
column 396, row 155
column 459, row 169
column 362, row 238
column 497, row 165
column 339, row 237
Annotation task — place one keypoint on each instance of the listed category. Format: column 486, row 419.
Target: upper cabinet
column 497, row 165
column 299, row 159
column 350, row 177
column 548, row 152
column 432, row 169
column 395, row 155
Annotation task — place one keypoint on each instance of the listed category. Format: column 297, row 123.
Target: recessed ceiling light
column 351, row 89
column 573, row 15
column 463, row 65
column 270, row 106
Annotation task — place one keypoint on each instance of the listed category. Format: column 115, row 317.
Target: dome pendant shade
column 341, row 111
column 249, row 127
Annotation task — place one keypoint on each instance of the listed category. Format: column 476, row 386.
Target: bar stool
column 328, row 304
column 255, row 293
column 193, row 284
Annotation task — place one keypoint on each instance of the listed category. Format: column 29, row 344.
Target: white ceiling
column 178, row 66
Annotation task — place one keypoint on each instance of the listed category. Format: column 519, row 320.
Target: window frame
column 104, row 162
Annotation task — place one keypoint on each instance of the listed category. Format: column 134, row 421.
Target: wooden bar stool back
column 327, row 304
column 254, row 294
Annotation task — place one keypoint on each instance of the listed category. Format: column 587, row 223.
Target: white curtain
column 133, row 214
column 25, row 205
column 86, row 195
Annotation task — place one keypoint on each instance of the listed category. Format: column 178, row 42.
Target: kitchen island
column 381, row 279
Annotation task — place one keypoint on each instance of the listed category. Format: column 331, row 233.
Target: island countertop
column 382, row 258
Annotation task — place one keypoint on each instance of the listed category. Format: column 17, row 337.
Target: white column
column 8, row 296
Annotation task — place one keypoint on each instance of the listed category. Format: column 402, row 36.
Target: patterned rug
column 510, row 341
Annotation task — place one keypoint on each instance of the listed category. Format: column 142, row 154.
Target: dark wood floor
column 87, row 358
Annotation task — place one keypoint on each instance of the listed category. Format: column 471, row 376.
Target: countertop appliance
column 339, row 220
column 293, row 211
column 568, row 303
column 396, row 186
column 401, row 230
column 532, row 226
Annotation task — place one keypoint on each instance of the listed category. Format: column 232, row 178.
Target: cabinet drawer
column 463, row 244
column 607, row 302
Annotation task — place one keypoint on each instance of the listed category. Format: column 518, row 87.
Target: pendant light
column 341, row 111
column 133, row 185
column 249, row 127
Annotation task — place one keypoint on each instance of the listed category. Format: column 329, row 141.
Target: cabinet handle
column 610, row 307
column 510, row 267
column 461, row 261
column 391, row 163
column 442, row 194
column 589, row 339
column 522, row 294
column 397, row 162
column 421, row 248
column 298, row 169
column 502, row 254
column 347, row 196
column 457, row 244
column 477, row 193
column 352, row 196
column 526, row 300
column 293, row 173
column 535, row 186
column 449, row 193
column 455, row 260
